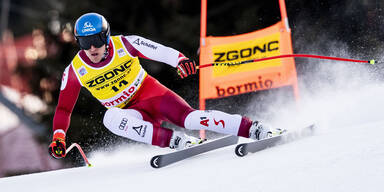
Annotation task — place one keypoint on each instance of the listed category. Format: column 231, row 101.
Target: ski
column 243, row 149
column 159, row 161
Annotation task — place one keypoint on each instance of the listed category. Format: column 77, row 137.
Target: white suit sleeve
column 141, row 47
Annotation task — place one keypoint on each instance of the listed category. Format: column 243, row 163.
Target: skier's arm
column 140, row 47
column 69, row 92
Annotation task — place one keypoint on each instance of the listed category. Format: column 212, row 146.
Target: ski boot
column 257, row 131
column 181, row 141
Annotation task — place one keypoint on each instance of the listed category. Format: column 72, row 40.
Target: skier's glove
column 186, row 67
column 57, row 147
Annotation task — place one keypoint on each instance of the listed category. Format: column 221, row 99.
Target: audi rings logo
column 123, row 123
column 88, row 27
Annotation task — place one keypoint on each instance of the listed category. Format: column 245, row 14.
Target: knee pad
column 213, row 120
column 128, row 123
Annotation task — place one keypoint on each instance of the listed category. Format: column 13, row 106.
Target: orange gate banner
column 224, row 81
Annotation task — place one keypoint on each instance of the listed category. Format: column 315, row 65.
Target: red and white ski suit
column 140, row 116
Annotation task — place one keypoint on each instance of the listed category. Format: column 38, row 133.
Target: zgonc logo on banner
column 246, row 50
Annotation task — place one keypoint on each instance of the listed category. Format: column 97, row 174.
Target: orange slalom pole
column 203, row 22
column 203, row 33
column 284, row 16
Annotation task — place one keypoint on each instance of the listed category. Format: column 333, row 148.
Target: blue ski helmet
column 92, row 29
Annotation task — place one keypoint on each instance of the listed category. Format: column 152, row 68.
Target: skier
column 108, row 66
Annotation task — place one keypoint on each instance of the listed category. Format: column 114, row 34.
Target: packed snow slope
column 345, row 154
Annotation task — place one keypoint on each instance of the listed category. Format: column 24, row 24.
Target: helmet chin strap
column 106, row 52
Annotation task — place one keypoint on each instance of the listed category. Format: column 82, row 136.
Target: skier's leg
column 221, row 122
column 129, row 123
column 218, row 121
column 176, row 110
column 173, row 108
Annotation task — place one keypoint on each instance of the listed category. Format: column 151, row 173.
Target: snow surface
column 345, row 154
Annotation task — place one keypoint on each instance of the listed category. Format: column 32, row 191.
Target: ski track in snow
column 346, row 153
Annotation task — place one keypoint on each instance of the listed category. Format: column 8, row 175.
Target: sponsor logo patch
column 123, row 123
column 121, row 52
column 219, row 122
column 109, row 75
column 204, row 121
column 82, row 71
column 143, row 43
column 88, row 27
column 140, row 130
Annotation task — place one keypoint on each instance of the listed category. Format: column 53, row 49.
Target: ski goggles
column 97, row 40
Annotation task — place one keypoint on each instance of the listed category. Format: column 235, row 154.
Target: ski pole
column 81, row 152
column 372, row 61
